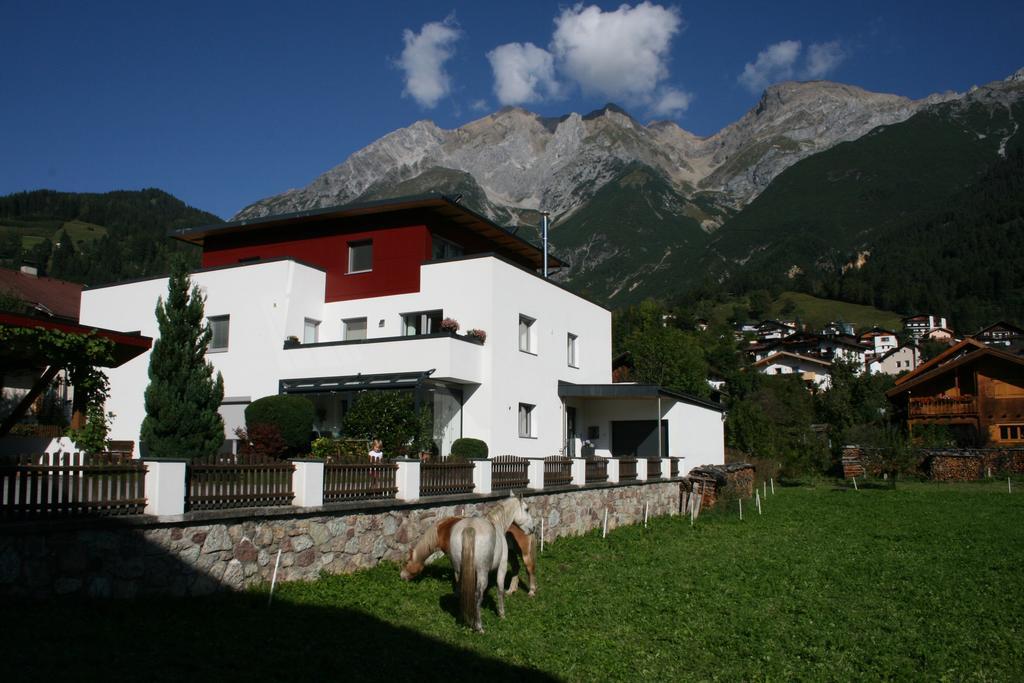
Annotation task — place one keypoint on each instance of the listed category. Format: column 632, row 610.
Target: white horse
column 477, row 547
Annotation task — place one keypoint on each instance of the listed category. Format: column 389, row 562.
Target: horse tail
column 467, row 576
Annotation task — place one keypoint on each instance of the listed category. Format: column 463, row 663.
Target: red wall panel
column 398, row 253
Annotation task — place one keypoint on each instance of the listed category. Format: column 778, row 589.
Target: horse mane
column 502, row 514
column 426, row 546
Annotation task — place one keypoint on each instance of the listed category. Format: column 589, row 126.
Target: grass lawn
column 920, row 583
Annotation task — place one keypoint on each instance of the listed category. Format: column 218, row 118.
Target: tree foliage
column 389, row 416
column 183, row 395
column 292, row 416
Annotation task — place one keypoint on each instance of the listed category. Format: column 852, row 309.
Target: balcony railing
column 943, row 406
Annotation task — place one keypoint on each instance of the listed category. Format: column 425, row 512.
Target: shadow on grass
column 229, row 637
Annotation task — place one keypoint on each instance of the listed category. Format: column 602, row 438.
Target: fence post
column 482, row 476
column 666, row 468
column 407, row 479
column 308, row 483
column 613, row 471
column 579, row 472
column 165, row 487
column 641, row 469
column 536, row 473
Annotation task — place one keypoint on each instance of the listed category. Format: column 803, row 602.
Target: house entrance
column 639, row 438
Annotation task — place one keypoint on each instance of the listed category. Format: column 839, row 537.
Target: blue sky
column 223, row 103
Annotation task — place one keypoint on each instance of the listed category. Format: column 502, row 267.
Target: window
column 353, row 329
column 219, row 326
column 525, row 420
column 1011, row 432
column 360, row 256
column 570, row 350
column 526, row 334
column 424, row 322
column 443, row 249
column 310, row 331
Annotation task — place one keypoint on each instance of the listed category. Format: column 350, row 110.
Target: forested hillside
column 95, row 238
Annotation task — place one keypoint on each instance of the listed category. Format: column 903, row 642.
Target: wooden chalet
column 977, row 391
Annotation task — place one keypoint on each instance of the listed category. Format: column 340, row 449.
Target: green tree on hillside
column 183, row 395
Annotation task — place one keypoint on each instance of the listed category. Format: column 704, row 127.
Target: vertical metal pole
column 544, row 239
column 657, row 425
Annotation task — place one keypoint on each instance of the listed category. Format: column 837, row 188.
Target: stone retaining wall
column 946, row 464
column 206, row 552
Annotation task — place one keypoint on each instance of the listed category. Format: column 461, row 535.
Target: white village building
column 331, row 302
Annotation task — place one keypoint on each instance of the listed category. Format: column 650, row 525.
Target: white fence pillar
column 613, row 471
column 666, row 468
column 308, row 483
column 641, row 469
column 536, row 473
column 579, row 472
column 165, row 487
column 407, row 479
column 482, row 476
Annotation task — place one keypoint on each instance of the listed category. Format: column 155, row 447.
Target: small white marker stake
column 542, row 534
column 604, row 529
column 765, row 488
column 741, row 509
column 1009, row 486
column 646, row 508
column 855, row 488
column 989, row 472
column 773, row 486
column 757, row 498
column 273, row 580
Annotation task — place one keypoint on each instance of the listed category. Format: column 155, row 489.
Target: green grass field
column 919, row 583
column 817, row 312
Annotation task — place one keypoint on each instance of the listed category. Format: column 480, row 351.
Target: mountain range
column 806, row 181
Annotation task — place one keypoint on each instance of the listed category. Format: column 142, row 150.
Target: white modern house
column 816, row 372
column 332, row 302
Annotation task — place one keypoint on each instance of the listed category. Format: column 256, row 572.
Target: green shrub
column 340, row 450
column 468, row 449
column 292, row 415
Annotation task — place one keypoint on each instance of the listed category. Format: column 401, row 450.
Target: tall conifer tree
column 183, row 395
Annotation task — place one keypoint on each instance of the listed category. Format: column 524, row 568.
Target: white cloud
column 774, row 63
column 823, row 58
column 522, row 73
column 671, row 103
column 423, row 60
column 618, row 54
column 479, row 105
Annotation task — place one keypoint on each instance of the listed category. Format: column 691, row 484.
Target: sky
column 224, row 103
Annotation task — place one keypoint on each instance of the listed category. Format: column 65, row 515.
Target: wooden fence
column 509, row 472
column 654, row 468
column 597, row 470
column 238, row 481
column 627, row 469
column 71, row 484
column 362, row 481
column 443, row 478
column 557, row 471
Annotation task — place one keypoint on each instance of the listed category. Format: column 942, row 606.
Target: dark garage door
column 639, row 438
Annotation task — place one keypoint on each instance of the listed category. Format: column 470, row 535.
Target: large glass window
column 424, row 322
column 219, row 325
column 526, row 338
column 311, row 331
column 353, row 329
column 360, row 256
column 443, row 249
column 571, row 342
column 525, row 420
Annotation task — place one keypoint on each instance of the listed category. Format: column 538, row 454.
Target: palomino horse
column 477, row 547
column 438, row 537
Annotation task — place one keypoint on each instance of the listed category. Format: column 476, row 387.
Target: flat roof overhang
column 127, row 345
column 625, row 390
column 432, row 204
column 360, row 382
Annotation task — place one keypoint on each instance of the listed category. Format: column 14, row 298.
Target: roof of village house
column 127, row 345
column 632, row 390
column 435, row 204
column 46, row 294
column 789, row 354
column 875, row 332
column 965, row 351
column 891, row 352
column 1001, row 325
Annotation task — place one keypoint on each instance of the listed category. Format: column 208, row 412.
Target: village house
column 881, row 341
column 768, row 330
column 918, row 326
column 974, row 390
column 1001, row 334
column 416, row 294
column 895, row 362
column 816, row 372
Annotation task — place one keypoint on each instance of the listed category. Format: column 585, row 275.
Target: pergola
column 21, row 353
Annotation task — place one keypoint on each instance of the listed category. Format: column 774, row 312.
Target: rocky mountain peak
column 1017, row 76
